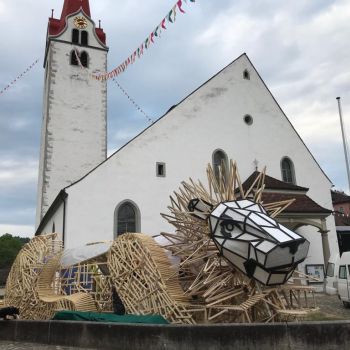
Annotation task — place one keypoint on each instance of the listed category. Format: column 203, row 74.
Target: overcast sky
column 300, row 48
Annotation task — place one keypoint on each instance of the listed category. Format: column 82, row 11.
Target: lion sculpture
column 231, row 261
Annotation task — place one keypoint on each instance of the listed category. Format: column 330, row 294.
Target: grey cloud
column 298, row 47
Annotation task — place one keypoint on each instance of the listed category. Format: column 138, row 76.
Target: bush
column 9, row 248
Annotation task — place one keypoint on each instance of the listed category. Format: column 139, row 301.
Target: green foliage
column 9, row 248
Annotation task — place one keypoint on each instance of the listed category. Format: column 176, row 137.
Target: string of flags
column 132, row 101
column 156, row 33
column 120, row 87
column 13, row 82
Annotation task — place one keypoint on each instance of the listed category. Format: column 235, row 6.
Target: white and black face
column 253, row 241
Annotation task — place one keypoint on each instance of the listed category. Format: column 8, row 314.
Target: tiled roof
column 340, row 197
column 302, row 203
column 341, row 219
column 273, row 184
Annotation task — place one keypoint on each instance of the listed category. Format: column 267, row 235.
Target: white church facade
column 87, row 198
column 74, row 127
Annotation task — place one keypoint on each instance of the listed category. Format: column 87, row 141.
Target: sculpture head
column 251, row 240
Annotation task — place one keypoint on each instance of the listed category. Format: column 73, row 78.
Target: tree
column 9, row 248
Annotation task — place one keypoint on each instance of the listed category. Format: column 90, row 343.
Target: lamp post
column 344, row 140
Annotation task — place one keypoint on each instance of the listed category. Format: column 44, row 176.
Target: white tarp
column 81, row 254
column 78, row 255
column 163, row 242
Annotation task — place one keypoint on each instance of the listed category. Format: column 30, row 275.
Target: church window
column 220, row 164
column 73, row 59
column 248, row 119
column 246, row 75
column 161, row 169
column 84, row 38
column 84, row 59
column 287, row 168
column 127, row 218
column 75, row 36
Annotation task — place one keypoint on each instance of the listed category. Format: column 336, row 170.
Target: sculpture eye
column 227, row 226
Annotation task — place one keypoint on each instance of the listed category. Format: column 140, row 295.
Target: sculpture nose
column 293, row 246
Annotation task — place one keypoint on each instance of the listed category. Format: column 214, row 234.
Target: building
column 74, row 126
column 341, row 205
column 232, row 115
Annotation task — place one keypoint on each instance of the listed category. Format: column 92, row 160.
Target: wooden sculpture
column 235, row 263
column 34, row 283
column 225, row 278
column 21, row 287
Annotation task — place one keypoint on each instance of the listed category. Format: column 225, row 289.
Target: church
column 86, row 197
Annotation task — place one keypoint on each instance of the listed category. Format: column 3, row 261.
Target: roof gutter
column 61, row 198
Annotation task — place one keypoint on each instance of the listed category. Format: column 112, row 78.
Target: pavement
column 25, row 346
column 330, row 308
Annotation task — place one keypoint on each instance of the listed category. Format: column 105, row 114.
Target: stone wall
column 296, row 336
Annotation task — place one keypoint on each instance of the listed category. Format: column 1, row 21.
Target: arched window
column 84, row 59
column 73, row 59
column 220, row 164
column 75, row 36
column 287, row 168
column 126, row 218
column 84, row 38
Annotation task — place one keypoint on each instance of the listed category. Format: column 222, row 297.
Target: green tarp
column 110, row 317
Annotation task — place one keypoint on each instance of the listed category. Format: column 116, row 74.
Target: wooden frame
column 203, row 288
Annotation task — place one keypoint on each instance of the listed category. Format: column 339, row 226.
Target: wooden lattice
column 145, row 280
column 34, row 284
column 21, row 287
column 207, row 278
column 202, row 288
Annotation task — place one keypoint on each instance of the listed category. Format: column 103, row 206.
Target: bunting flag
column 13, row 82
column 156, row 33
column 133, row 101
column 110, row 75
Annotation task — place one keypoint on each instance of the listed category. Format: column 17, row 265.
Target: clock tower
column 74, row 125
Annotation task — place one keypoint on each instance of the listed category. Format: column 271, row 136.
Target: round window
column 248, row 119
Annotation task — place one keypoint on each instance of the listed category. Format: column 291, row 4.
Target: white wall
column 185, row 139
column 57, row 219
column 73, row 139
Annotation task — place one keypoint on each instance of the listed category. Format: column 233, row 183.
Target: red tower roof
column 56, row 26
column 72, row 6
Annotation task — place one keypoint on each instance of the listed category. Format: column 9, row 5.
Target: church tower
column 74, row 125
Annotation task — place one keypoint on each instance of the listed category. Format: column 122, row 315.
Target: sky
column 300, row 48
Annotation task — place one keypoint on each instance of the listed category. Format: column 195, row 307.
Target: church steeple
column 72, row 6
column 74, row 129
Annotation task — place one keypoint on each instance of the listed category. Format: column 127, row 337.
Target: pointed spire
column 71, row 6
column 57, row 26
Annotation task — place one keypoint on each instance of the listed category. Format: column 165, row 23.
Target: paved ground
column 331, row 308
column 24, row 346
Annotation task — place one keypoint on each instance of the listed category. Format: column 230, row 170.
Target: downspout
column 64, row 222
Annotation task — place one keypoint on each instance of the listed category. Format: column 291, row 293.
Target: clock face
column 80, row 22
